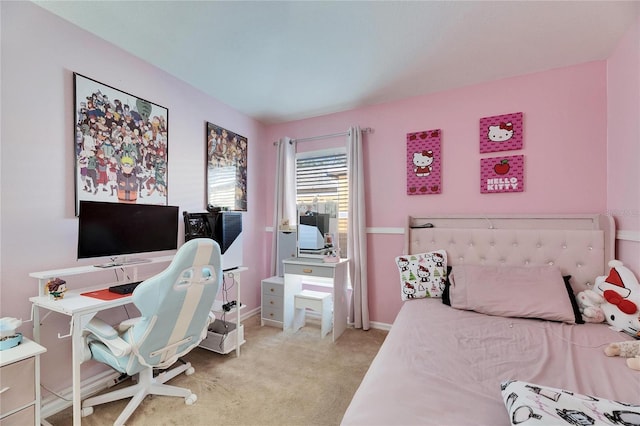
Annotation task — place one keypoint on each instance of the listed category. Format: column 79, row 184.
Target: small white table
column 336, row 275
column 20, row 383
column 212, row 342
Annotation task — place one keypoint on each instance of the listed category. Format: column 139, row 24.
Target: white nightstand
column 20, row 384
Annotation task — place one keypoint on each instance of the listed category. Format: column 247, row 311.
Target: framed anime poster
column 121, row 146
column 501, row 133
column 226, row 169
column 424, row 162
column 502, row 174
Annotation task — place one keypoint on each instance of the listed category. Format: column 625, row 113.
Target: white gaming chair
column 175, row 307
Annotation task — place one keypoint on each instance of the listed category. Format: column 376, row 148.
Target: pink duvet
column 442, row 366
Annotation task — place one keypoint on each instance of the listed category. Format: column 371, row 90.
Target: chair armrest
column 127, row 324
column 108, row 335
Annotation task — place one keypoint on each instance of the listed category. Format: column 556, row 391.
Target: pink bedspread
column 442, row 366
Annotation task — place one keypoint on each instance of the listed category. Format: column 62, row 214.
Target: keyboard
column 124, row 288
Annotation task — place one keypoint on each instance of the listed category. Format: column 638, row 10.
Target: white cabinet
column 20, row 384
column 272, row 306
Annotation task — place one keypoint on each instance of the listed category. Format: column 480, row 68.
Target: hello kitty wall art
column 424, row 162
column 501, row 132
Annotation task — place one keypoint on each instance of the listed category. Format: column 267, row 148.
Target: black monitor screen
column 114, row 229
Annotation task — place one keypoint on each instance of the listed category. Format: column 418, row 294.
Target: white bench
column 316, row 301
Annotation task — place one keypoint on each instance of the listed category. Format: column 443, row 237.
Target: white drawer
column 273, row 289
column 18, row 383
column 271, row 301
column 311, row 270
column 273, row 314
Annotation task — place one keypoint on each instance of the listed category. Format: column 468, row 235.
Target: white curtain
column 284, row 206
column 357, row 234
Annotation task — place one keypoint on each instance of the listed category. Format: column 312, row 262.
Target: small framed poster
column 501, row 133
column 226, row 169
column 424, row 162
column 502, row 174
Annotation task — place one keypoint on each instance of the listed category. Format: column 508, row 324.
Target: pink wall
column 623, row 144
column 565, row 130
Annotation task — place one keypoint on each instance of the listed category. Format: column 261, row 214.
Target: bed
column 445, row 366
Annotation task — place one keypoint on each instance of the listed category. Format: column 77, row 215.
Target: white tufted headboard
column 580, row 245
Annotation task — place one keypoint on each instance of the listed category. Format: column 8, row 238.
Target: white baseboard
column 628, row 235
column 53, row 404
column 380, row 325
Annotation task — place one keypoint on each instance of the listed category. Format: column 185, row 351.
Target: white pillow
column 422, row 275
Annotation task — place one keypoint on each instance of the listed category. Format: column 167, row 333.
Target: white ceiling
column 278, row 61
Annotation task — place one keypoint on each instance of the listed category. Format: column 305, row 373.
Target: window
column 322, row 187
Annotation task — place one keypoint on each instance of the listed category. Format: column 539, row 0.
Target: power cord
column 226, row 306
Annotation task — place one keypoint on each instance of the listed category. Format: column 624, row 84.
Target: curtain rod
column 334, row 135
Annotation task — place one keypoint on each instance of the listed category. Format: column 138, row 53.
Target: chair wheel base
column 86, row 411
column 191, row 399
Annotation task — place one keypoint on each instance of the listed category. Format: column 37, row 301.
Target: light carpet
column 280, row 378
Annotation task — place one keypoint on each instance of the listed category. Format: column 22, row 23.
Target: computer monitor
column 116, row 229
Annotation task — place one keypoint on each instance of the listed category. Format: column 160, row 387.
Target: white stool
column 317, row 301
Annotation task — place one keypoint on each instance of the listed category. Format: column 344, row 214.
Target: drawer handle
column 5, row 389
column 272, row 290
column 307, row 271
column 271, row 302
column 271, row 315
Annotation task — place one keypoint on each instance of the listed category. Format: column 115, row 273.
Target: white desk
column 296, row 270
column 81, row 309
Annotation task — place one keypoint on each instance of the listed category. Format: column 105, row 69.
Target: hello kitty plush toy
column 620, row 292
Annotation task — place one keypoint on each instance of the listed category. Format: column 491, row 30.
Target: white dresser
column 20, row 384
column 272, row 297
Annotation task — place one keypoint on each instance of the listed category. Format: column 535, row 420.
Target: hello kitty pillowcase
column 422, row 275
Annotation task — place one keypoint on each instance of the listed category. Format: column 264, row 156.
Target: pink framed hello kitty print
column 501, row 132
column 502, row 174
column 424, row 162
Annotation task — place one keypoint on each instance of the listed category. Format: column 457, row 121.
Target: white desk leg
column 237, row 314
column 36, row 323
column 76, row 361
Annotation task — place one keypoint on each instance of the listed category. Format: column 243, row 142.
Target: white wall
column 40, row 52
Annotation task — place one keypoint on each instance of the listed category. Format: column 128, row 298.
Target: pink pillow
column 511, row 291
